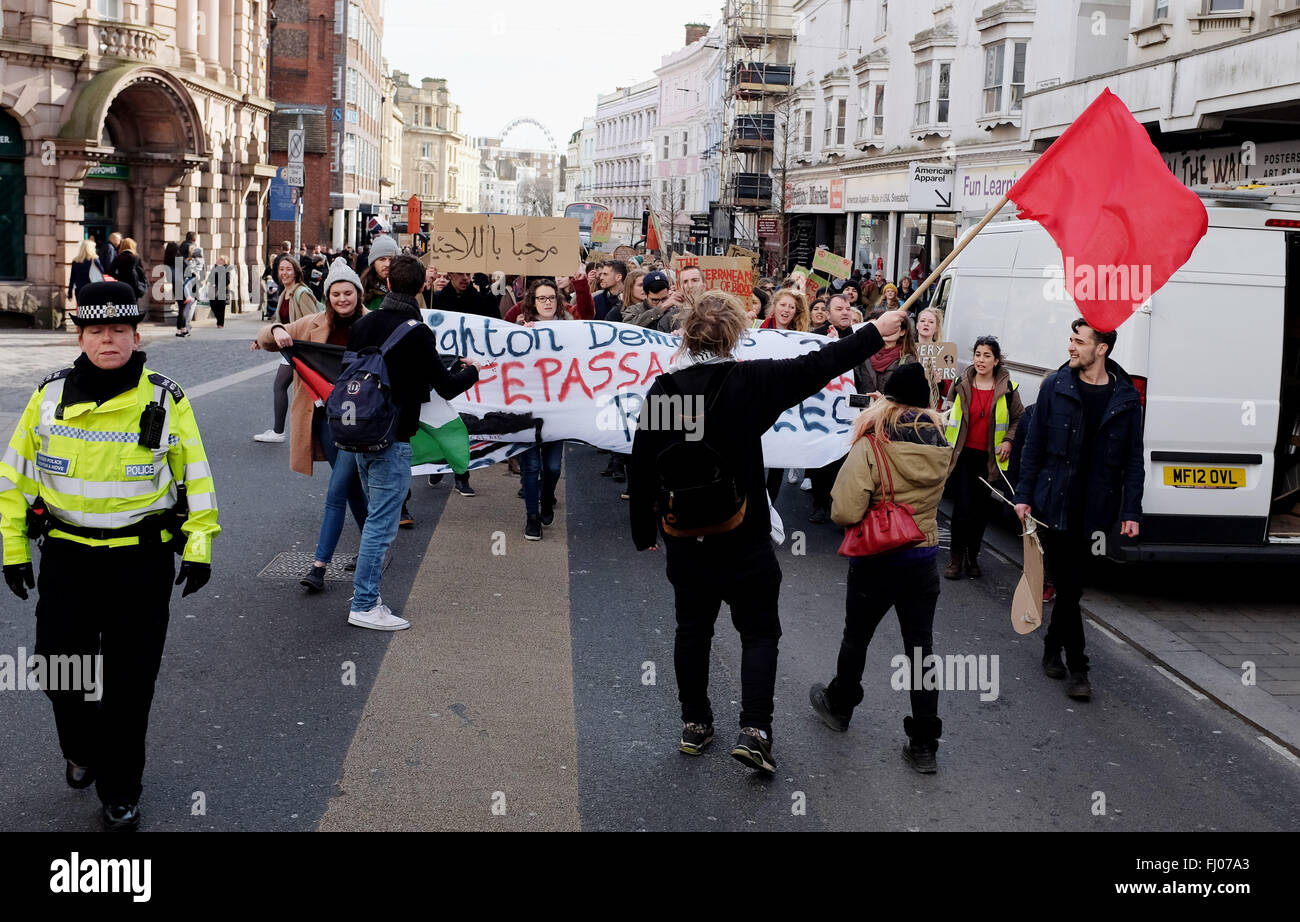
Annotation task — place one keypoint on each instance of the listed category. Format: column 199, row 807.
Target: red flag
column 653, row 239
column 1123, row 222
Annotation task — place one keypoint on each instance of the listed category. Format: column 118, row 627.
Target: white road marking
column 208, row 387
column 1102, row 630
column 1179, row 682
column 1281, row 750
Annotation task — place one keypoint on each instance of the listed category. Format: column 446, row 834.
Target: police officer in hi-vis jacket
column 106, row 470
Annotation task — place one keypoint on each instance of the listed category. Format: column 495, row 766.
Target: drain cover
column 292, row 565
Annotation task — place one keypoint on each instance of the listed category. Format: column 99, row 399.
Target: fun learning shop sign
column 587, row 379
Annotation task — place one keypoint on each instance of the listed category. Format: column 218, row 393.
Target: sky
column 543, row 59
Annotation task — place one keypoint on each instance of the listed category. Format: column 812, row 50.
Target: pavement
column 1229, row 633
column 535, row 687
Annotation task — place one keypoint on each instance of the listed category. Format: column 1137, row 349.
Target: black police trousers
column 114, row 602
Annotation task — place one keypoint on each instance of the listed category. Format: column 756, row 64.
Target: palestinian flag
column 318, row 366
column 442, row 437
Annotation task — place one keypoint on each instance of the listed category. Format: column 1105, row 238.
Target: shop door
column 100, row 209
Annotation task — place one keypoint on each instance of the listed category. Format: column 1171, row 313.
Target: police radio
column 152, row 420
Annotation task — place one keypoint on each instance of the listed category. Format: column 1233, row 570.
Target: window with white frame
column 686, row 138
column 354, row 21
column 882, row 18
column 338, row 17
column 1004, row 86
column 110, row 9
column 871, row 111
column 338, row 82
column 844, row 21
column 334, row 158
column 807, row 131
column 933, row 86
column 426, row 150
column 1161, row 10
column 350, row 153
column 1224, row 6
column 665, row 154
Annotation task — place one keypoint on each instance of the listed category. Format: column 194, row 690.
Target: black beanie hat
column 908, row 385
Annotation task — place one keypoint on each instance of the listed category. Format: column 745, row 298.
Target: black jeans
column 747, row 577
column 218, row 311
column 1067, row 554
column 911, row 588
column 972, row 503
column 72, row 619
column 823, row 479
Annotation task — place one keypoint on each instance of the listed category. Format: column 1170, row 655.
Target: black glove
column 194, row 575
column 20, row 578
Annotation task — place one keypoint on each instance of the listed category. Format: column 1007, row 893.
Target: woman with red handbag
column 887, row 495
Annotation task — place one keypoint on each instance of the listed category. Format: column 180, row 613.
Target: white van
column 1215, row 354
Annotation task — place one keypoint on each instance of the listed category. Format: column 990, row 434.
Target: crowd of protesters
column 922, row 434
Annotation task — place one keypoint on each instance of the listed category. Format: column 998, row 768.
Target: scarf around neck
column 885, row 357
column 88, row 381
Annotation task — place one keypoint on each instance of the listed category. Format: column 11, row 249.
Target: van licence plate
column 1205, row 478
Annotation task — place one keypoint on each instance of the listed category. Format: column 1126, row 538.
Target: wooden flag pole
column 938, row 270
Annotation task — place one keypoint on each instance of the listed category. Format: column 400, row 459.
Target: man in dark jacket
column 463, row 295
column 1081, row 470
column 414, row 366
column 610, row 297
column 741, row 401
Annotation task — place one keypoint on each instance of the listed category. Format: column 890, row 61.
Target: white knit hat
column 340, row 271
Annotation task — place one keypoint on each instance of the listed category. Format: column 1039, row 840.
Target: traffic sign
column 931, row 186
column 297, row 140
column 292, row 175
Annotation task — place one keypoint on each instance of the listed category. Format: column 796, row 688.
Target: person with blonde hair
column 712, row 559
column 86, row 268
column 788, row 311
column 900, row 454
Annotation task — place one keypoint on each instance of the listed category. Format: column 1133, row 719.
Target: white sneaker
column 806, row 485
column 379, row 618
column 270, row 435
column 793, row 474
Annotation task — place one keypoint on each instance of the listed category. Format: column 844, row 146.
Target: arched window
column 13, row 208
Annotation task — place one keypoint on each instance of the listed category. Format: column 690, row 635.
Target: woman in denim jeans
column 333, row 326
column 910, row 437
column 541, row 465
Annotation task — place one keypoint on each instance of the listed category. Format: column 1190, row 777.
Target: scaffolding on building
column 759, row 37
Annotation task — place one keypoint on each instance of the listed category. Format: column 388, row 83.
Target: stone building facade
column 144, row 117
column 439, row 164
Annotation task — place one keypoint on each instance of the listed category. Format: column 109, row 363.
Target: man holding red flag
column 1104, row 194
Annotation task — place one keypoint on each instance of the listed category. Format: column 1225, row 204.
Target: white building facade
column 880, row 86
column 687, row 141
column 624, row 156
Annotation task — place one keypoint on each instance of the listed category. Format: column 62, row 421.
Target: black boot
column 819, row 698
column 922, row 743
column 1053, row 668
column 973, row 564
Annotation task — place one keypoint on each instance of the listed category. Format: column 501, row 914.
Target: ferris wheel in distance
column 526, row 120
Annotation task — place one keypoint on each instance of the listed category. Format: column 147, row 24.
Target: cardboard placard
column 938, row 355
column 838, row 267
column 601, row 223
column 723, row 273
column 1027, row 604
column 625, row 253
column 507, row 243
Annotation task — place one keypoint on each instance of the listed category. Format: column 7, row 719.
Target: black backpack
column 698, row 492
column 361, row 413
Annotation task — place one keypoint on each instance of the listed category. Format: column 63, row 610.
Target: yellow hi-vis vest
column 85, row 462
column 1001, row 421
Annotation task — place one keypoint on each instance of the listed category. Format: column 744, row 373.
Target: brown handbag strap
column 883, row 464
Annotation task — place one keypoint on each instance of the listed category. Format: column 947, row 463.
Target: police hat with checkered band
column 107, row 302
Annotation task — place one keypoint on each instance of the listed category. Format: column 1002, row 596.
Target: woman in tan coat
column 910, row 437
column 311, row 439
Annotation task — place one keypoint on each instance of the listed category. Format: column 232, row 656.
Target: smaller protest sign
column 601, row 223
column 942, row 356
column 839, row 267
column 735, row 275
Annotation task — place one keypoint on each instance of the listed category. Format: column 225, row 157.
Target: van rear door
column 1216, row 336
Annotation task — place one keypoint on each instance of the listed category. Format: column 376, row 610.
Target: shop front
column 817, row 218
column 893, row 232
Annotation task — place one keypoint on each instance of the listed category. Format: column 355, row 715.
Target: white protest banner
column 586, row 380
